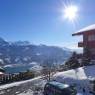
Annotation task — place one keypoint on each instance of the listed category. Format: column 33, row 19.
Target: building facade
column 88, row 42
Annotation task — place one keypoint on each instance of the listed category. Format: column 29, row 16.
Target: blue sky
column 40, row 22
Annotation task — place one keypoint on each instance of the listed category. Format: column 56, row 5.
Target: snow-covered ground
column 18, row 83
column 80, row 77
column 27, row 87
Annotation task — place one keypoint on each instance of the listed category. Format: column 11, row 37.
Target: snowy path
column 17, row 83
column 21, row 87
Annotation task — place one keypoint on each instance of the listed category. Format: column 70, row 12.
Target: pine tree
column 72, row 63
column 86, row 57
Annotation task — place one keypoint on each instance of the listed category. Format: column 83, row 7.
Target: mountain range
column 23, row 52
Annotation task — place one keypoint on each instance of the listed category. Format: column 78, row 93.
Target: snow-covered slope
column 80, row 77
column 81, row 73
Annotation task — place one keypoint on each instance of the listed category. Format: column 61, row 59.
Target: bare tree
column 48, row 69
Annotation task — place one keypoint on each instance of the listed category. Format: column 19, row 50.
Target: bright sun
column 70, row 12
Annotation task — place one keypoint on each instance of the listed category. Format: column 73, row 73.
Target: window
column 92, row 51
column 91, row 38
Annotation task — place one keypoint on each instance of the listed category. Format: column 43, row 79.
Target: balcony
column 80, row 44
column 90, row 44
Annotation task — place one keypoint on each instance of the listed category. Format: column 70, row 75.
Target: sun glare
column 70, row 12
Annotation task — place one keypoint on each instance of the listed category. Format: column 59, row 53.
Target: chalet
column 88, row 42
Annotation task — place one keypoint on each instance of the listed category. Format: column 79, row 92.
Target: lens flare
column 70, row 12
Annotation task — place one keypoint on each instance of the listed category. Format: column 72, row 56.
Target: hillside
column 82, row 73
column 24, row 52
column 80, row 77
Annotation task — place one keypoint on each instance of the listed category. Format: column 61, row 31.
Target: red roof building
column 88, row 42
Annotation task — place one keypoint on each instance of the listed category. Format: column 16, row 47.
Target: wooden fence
column 8, row 78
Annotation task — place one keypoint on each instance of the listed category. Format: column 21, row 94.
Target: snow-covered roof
column 1, row 73
column 88, row 28
column 60, row 85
